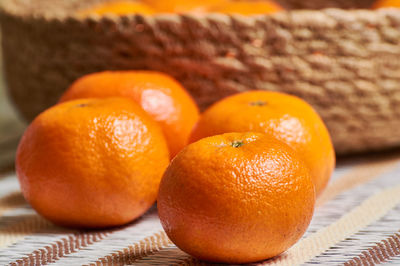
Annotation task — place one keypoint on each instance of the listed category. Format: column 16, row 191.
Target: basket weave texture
column 346, row 63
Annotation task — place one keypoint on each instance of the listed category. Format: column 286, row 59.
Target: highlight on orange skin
column 158, row 94
column 386, row 4
column 247, row 7
column 118, row 8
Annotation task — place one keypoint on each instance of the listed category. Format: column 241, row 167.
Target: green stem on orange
column 237, row 143
column 258, row 103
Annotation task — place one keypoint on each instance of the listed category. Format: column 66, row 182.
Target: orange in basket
column 182, row 6
column 119, row 8
column 92, row 162
column 158, row 94
column 236, row 198
column 386, row 3
column 286, row 117
column 247, row 7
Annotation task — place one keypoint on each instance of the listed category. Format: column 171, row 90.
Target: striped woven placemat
column 357, row 222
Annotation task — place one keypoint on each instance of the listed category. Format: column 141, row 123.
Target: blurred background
column 11, row 127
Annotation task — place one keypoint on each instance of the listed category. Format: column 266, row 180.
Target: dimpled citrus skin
column 119, row 8
column 386, row 4
column 286, row 117
column 222, row 202
column 158, row 94
column 92, row 163
column 247, row 7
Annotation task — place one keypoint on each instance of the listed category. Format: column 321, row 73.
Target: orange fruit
column 119, row 8
column 286, row 117
column 182, row 6
column 386, row 3
column 92, row 163
column 158, row 94
column 236, row 198
column 247, row 7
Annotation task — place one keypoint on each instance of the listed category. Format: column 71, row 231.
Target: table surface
column 356, row 222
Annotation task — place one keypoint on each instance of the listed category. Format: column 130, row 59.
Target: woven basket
column 346, row 63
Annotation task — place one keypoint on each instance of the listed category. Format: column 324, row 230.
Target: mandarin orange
column 182, row 6
column 158, row 94
column 118, row 8
column 247, row 7
column 236, row 198
column 92, row 163
column 287, row 118
column 386, row 4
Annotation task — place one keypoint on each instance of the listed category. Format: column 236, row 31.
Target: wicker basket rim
column 356, row 13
